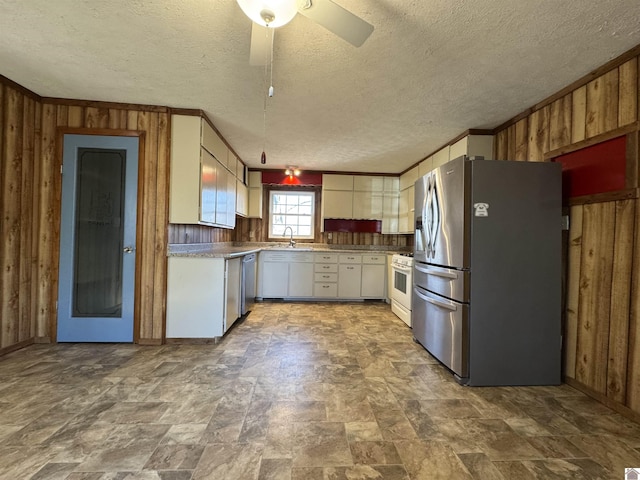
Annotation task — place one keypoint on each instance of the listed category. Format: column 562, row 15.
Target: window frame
column 280, row 189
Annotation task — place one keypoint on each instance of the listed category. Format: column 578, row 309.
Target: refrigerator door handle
column 437, row 303
column 436, row 273
column 426, row 219
column 435, row 205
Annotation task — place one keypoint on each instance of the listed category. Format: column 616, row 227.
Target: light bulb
column 269, row 13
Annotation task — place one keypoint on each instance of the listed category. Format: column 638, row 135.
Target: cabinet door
column 373, row 281
column 368, row 183
column 214, row 144
column 221, row 196
column 255, row 202
column 242, row 199
column 186, row 169
column 441, row 157
column 208, row 191
column 367, row 205
column 300, row 279
column 390, row 206
column 195, row 297
column 349, row 280
column 337, row 182
column 337, row 204
column 231, row 200
column 275, row 279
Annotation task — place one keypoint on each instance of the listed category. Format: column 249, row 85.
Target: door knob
column 128, row 250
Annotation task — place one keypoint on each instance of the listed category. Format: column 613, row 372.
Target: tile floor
column 296, row 391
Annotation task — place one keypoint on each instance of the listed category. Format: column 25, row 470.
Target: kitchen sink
column 291, row 249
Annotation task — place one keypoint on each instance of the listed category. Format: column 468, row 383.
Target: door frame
column 60, row 133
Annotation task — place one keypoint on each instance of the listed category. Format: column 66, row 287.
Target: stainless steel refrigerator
column 487, row 270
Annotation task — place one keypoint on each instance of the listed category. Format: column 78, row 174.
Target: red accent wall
column 277, row 177
column 596, row 169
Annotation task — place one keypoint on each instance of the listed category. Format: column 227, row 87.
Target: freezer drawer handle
column 437, row 273
column 435, row 302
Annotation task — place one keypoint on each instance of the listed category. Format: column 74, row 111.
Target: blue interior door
column 97, row 239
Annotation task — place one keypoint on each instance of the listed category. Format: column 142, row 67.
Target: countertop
column 234, row 250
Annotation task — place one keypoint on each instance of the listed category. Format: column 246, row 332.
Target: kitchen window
column 293, row 209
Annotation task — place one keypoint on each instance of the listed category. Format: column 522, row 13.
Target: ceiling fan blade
column 336, row 19
column 260, row 44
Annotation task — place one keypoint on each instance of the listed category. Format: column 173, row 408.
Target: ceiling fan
column 268, row 14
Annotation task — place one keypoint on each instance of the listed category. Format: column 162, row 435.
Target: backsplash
column 199, row 234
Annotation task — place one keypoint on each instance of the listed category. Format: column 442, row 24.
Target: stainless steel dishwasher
column 248, row 294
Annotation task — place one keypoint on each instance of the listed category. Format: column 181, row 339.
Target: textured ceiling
column 430, row 70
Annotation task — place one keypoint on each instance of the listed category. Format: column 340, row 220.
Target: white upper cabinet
column 473, row 146
column 391, row 184
column 441, row 157
column 366, row 183
column 337, row 196
column 184, row 178
column 425, row 166
column 337, row 182
column 242, row 199
column 214, row 144
column 408, row 178
column 200, row 190
column 255, row 195
column 367, row 205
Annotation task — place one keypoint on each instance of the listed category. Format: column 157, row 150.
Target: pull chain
column 268, row 70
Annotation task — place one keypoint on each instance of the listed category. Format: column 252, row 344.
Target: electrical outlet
column 252, row 233
column 329, row 236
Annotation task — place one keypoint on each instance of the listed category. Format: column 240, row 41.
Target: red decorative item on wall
column 596, row 169
column 354, row 226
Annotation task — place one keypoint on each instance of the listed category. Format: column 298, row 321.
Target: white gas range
column 402, row 269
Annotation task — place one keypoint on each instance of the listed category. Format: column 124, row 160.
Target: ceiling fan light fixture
column 269, row 13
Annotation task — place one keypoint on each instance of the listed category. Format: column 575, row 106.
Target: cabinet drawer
column 326, row 268
column 375, row 259
column 325, row 277
column 326, row 258
column 350, row 258
column 325, row 290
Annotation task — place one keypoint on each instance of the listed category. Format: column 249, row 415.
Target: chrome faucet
column 292, row 242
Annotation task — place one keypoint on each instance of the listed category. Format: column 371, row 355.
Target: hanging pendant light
column 269, row 13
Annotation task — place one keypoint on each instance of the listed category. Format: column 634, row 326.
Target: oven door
column 402, row 286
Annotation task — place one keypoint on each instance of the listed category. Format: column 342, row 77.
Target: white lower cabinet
column 373, row 276
column 203, row 296
column 322, row 275
column 274, row 274
column 349, row 275
column 349, row 278
column 286, row 275
column 301, row 275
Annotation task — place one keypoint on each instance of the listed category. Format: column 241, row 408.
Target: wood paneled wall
column 20, row 175
column 199, row 234
column 602, row 317
column 30, row 134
